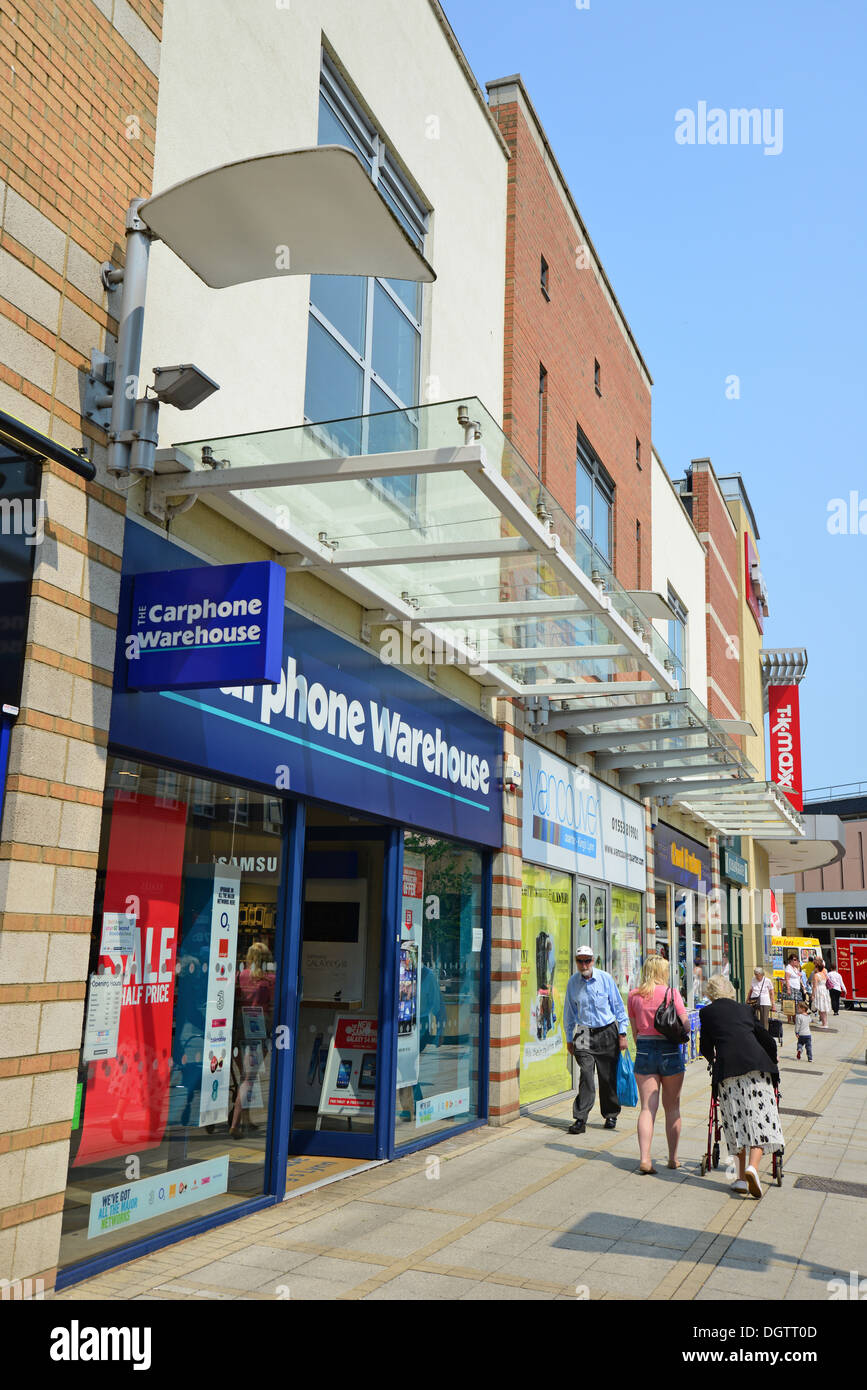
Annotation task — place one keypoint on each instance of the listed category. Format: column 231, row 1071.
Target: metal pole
column 129, row 339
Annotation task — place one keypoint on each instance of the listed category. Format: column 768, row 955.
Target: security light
column 184, row 386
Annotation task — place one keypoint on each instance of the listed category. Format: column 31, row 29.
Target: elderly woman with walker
column 742, row 1057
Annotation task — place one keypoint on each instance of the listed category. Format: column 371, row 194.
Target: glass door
column 338, row 1035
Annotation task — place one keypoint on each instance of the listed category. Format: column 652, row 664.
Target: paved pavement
column 530, row 1212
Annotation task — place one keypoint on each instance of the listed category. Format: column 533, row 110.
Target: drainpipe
column 133, row 278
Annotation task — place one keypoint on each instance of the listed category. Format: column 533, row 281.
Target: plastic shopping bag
column 627, row 1088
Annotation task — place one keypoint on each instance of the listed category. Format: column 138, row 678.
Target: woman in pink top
column 659, row 1064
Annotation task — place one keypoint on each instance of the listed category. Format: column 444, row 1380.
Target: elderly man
column 595, row 1019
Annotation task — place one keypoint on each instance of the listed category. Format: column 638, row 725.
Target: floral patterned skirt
column 748, row 1113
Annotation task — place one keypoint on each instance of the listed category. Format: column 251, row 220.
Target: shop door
column 735, row 941
column 340, row 1043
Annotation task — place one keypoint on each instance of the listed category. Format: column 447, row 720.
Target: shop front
column 735, row 876
column 584, row 875
column 291, row 935
column 682, row 884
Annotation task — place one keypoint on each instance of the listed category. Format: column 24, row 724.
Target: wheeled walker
column 710, row 1158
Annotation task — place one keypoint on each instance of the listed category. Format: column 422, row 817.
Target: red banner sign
column 127, row 1095
column 785, row 719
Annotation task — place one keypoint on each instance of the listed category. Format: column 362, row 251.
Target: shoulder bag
column 667, row 1021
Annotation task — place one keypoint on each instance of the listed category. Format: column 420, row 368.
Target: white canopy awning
column 288, row 212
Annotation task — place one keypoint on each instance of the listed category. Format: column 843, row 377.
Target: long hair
column 257, row 957
column 656, row 970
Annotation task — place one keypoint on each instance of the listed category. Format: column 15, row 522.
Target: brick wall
column 718, row 534
column 78, row 93
column 566, row 334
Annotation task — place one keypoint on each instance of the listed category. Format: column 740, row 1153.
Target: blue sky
column 728, row 261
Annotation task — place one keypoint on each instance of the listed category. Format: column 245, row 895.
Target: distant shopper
column 594, row 1017
column 659, row 1064
column 803, row 1034
column 742, row 1056
column 821, row 997
column 761, row 996
column 793, row 981
column 836, row 987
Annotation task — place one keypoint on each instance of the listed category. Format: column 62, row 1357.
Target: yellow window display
column 546, row 964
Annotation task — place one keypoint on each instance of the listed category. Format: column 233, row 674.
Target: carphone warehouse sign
column 206, row 626
column 334, row 723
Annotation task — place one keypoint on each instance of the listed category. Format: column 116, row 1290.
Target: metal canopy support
column 454, row 550
column 528, row 656
column 610, row 762
column 682, row 790
column 561, row 690
column 624, row 738
column 566, row 721
column 651, row 778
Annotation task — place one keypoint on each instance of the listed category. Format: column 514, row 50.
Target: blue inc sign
column 208, row 626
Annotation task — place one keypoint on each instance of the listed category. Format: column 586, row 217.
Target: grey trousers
column 602, row 1057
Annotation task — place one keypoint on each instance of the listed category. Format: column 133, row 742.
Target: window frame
column 676, row 603
column 601, row 481
column 387, row 176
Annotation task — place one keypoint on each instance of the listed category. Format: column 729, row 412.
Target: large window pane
column 334, row 132
column 583, row 499
column 343, row 301
column 438, row 988
column 389, row 433
column 395, row 348
column 334, row 385
column 601, row 523
column 174, row 1076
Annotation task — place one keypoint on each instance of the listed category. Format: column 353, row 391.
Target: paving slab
column 530, row 1212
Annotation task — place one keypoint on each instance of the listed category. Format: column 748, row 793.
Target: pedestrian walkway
column 530, row 1212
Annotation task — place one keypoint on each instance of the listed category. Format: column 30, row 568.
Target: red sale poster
column 126, row 1096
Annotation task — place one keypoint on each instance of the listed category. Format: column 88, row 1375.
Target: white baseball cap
column 585, row 951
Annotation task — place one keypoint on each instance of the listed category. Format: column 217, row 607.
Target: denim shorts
column 658, row 1057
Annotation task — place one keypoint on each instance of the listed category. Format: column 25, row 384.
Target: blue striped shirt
column 593, row 1003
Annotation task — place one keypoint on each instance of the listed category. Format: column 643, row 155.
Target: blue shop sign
column 733, row 867
column 208, row 626
column 336, row 724
column 680, row 859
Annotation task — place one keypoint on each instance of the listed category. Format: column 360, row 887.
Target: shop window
column 438, row 1009
column 172, row 1109
column 625, row 939
column 546, row 964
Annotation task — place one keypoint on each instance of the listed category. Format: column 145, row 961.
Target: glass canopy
column 431, row 519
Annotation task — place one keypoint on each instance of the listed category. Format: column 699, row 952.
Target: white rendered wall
column 240, row 79
column 678, row 559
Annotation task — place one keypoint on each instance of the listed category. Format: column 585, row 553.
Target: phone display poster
column 349, row 1088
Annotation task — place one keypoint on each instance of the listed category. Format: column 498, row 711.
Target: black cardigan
column 734, row 1042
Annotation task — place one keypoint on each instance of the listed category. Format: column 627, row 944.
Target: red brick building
column 718, row 533
column 574, row 376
